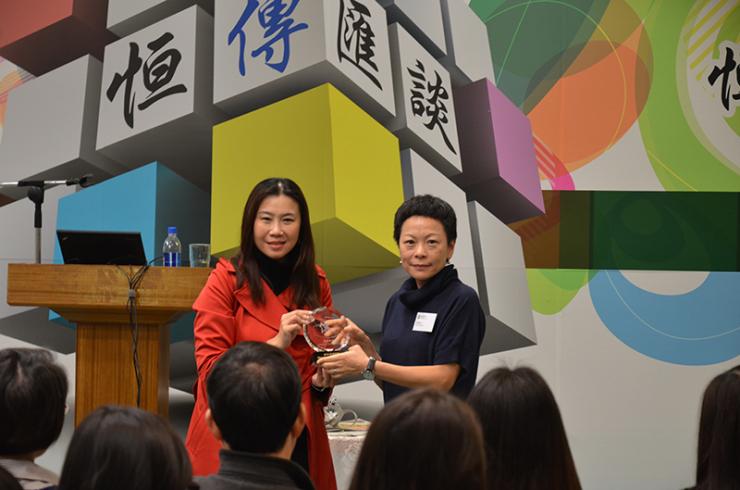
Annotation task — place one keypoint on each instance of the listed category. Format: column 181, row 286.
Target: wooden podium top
column 99, row 293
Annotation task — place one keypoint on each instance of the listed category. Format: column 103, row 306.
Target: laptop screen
column 101, row 247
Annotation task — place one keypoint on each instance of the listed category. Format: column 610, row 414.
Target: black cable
column 134, row 342
column 133, row 284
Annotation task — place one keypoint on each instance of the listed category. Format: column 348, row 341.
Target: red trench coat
column 226, row 316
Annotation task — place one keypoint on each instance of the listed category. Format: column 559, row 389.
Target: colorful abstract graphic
column 588, row 73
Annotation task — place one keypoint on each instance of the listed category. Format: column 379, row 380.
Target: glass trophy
column 322, row 332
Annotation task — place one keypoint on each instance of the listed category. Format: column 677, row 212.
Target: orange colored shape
column 9, row 82
column 587, row 112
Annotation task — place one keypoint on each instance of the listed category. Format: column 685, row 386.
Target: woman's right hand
column 291, row 324
column 357, row 336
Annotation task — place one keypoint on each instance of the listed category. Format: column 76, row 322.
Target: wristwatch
column 369, row 372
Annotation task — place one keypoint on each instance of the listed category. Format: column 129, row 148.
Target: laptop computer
column 101, row 247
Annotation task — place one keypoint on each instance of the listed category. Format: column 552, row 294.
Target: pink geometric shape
column 41, row 35
column 497, row 152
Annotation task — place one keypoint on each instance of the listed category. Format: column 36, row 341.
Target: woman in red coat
column 266, row 294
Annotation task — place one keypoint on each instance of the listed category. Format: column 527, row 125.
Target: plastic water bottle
column 172, row 248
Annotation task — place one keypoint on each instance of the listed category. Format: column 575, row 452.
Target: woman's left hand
column 354, row 361
column 322, row 379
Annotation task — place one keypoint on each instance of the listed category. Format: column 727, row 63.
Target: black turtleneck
column 277, row 273
column 413, row 297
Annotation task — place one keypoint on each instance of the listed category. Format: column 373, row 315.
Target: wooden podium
column 95, row 297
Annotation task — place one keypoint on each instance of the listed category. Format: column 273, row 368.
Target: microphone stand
column 36, row 190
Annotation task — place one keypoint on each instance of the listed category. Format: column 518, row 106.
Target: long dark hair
column 526, row 445
column 718, row 455
column 124, row 448
column 424, row 439
column 303, row 280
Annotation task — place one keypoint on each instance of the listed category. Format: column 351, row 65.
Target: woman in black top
column 433, row 325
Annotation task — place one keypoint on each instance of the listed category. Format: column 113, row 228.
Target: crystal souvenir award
column 322, row 332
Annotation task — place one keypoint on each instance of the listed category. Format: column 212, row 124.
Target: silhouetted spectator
column 718, row 454
column 422, row 440
column 255, row 410
column 526, row 445
column 124, row 448
column 33, row 393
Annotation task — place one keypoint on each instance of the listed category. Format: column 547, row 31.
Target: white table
column 345, row 450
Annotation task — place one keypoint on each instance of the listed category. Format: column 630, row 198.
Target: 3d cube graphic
column 502, row 283
column 425, row 111
column 364, row 299
column 422, row 19
column 260, row 58
column 346, row 163
column 498, row 159
column 128, row 16
column 147, row 200
column 49, row 130
column 41, row 35
column 468, row 56
column 155, row 101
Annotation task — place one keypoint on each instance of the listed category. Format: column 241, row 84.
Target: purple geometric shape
column 497, row 153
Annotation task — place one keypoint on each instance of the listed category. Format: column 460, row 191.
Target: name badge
column 424, row 322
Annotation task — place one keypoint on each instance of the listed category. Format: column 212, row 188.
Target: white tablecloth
column 345, row 449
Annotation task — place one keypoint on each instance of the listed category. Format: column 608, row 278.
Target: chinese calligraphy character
column 727, row 71
column 427, row 99
column 356, row 39
column 274, row 18
column 157, row 74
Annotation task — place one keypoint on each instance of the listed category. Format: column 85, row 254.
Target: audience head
column 125, row 448
column 8, row 481
column 424, row 439
column 276, row 224
column 526, row 445
column 718, row 461
column 33, row 393
column 254, row 397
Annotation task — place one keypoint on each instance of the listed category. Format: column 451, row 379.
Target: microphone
column 84, row 181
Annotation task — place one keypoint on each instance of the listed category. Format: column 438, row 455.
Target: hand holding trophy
column 323, row 332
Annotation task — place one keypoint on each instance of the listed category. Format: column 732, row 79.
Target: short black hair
column 33, row 394
column 430, row 207
column 124, row 448
column 254, row 393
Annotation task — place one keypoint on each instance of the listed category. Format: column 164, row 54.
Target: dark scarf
column 413, row 297
column 277, row 273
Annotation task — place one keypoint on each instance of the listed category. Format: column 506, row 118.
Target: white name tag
column 424, row 322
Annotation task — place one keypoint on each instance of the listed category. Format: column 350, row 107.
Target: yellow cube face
column 346, row 163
